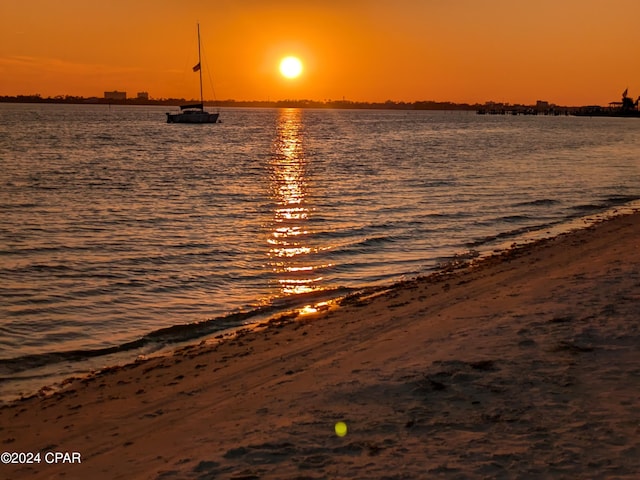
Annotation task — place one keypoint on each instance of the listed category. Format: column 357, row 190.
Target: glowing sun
column 291, row 67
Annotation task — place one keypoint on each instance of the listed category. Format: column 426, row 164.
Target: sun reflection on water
column 290, row 249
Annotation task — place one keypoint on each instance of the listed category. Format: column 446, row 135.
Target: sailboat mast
column 200, row 69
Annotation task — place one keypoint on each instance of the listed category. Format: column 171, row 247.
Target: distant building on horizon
column 115, row 95
column 143, row 96
column 542, row 105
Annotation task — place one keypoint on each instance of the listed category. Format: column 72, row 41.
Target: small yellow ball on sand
column 341, row 429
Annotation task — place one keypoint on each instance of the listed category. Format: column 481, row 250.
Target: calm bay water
column 115, row 225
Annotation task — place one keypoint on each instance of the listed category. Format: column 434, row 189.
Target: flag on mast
column 197, row 67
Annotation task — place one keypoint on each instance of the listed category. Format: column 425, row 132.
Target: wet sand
column 526, row 365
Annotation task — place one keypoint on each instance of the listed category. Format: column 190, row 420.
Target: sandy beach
column 526, row 365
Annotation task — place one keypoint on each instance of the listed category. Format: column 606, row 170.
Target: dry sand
column 525, row 366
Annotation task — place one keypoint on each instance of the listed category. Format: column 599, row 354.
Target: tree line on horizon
column 287, row 103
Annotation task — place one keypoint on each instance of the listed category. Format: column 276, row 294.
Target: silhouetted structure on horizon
column 115, row 95
column 624, row 108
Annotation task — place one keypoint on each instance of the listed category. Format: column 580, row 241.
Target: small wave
column 348, row 232
column 513, row 218
column 605, row 203
column 104, row 137
column 619, row 200
column 18, row 206
column 543, row 202
column 517, row 232
column 360, row 245
column 42, row 268
column 371, row 241
column 588, row 207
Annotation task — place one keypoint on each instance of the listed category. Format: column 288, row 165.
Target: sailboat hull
column 196, row 116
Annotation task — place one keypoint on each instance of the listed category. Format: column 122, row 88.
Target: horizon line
column 66, row 98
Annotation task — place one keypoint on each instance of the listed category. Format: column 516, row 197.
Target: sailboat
column 194, row 113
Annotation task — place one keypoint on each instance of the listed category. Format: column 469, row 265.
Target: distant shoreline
column 329, row 104
column 490, row 108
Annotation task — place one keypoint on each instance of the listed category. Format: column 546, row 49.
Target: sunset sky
column 569, row 52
